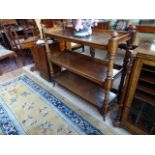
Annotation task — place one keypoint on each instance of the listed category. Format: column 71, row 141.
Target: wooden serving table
column 86, row 76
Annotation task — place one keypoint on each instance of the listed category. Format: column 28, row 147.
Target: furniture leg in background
column 1, row 69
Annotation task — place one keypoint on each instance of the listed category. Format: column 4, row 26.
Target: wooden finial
column 132, row 28
column 114, row 34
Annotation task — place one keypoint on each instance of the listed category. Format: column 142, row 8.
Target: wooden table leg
column 23, row 57
column 1, row 69
column 34, row 51
column 124, row 87
column 92, row 52
column 34, row 68
column 16, row 59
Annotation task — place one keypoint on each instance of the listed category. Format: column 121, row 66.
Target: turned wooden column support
column 130, row 46
column 112, row 49
column 125, row 87
column 92, row 52
column 132, row 30
column 1, row 71
column 63, row 45
column 53, row 68
column 16, row 58
column 49, row 57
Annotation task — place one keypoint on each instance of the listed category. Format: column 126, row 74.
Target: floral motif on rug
column 28, row 108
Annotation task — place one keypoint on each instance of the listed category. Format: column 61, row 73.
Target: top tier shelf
column 98, row 39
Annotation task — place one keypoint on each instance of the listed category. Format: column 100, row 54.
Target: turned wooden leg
column 103, row 112
column 92, row 52
column 23, row 57
column 34, row 51
column 83, row 48
column 54, row 83
column 16, row 59
column 124, row 88
column 105, row 107
column 124, row 71
column 1, row 69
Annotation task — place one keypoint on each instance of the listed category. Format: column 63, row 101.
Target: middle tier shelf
column 85, row 66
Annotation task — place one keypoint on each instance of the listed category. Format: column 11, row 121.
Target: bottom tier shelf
column 84, row 88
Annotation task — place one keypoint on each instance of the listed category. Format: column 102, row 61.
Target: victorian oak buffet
column 86, row 76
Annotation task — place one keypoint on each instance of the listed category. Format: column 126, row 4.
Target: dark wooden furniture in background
column 88, row 77
column 103, row 25
column 40, row 60
column 39, row 56
column 3, row 40
column 1, row 70
column 6, row 22
column 147, row 21
column 20, row 43
column 14, row 42
column 47, row 22
column 19, row 22
column 138, row 113
column 28, row 44
column 146, row 28
column 22, row 28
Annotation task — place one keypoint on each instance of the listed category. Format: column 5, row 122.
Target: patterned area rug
column 27, row 107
